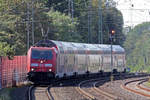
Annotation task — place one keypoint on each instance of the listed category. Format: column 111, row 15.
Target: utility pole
column 111, row 39
column 72, row 11
column 32, row 22
column 27, row 25
column 100, row 34
column 71, row 14
column 89, row 22
column 69, row 8
column 131, row 9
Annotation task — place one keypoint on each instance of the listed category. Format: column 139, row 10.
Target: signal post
column 112, row 33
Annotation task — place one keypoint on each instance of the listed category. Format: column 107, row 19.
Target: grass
column 5, row 94
column 147, row 83
column 15, row 93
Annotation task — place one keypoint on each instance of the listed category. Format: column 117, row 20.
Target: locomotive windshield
column 41, row 54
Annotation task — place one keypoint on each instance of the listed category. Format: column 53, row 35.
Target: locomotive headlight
column 50, row 70
column 32, row 69
column 48, row 65
column 41, row 61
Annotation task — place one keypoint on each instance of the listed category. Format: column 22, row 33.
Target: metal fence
column 12, row 72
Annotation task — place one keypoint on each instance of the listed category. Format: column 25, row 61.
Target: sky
column 134, row 11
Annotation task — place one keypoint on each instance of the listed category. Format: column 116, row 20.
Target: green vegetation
column 52, row 21
column 6, row 50
column 5, row 94
column 147, row 84
column 15, row 93
column 137, row 47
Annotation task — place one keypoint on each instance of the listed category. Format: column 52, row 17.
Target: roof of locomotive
column 68, row 46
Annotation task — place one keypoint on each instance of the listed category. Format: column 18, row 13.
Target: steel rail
column 47, row 92
column 124, row 86
column 105, row 94
column 29, row 92
column 82, row 92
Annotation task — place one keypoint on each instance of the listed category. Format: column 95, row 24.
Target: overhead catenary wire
column 133, row 7
column 92, row 14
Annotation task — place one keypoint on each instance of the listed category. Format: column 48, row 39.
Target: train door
column 87, row 63
column 75, row 64
column 65, row 64
column 115, row 62
column 90, row 63
column 120, row 63
column 105, row 63
column 61, row 65
column 58, row 64
column 96, row 63
column 100, row 67
column 70, row 64
column 81, row 62
column 102, row 61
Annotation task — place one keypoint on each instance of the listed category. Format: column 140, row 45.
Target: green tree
column 6, row 50
column 13, row 27
column 137, row 47
column 112, row 18
column 63, row 28
column 10, row 29
column 57, row 26
column 51, row 20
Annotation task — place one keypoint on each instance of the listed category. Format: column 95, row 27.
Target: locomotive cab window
column 41, row 54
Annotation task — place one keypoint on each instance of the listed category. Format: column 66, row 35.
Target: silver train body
column 81, row 58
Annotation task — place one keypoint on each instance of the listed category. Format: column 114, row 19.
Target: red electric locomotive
column 41, row 63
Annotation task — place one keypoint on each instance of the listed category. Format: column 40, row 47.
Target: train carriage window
column 102, row 60
column 120, row 62
column 81, row 51
column 61, row 49
column 41, row 54
column 115, row 57
column 70, row 50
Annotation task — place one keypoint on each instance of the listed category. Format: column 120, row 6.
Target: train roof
column 68, row 46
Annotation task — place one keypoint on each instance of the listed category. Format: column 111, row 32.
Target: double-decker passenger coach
column 49, row 59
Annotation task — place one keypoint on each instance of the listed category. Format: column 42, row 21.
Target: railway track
column 39, row 93
column 83, row 92
column 89, row 89
column 135, row 86
column 106, row 94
